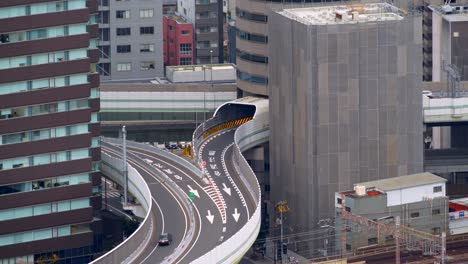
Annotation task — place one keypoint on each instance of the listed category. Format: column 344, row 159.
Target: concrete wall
column 414, row 194
column 345, row 107
column 135, row 57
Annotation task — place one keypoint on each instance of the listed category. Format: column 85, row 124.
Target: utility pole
column 343, row 226
column 211, row 75
column 444, row 247
column 282, row 207
column 124, row 168
column 397, row 240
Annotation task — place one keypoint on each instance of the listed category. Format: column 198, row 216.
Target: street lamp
column 211, row 76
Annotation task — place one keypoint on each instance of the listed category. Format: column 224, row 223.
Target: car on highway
column 165, row 239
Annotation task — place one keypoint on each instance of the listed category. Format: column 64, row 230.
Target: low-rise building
column 419, row 201
column 178, row 41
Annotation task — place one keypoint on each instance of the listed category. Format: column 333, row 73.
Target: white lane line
column 224, row 229
column 196, row 208
column 157, row 244
column 170, row 192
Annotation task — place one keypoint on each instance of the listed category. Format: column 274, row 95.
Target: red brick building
column 178, row 41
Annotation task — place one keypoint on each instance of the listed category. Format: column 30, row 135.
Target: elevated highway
column 223, row 220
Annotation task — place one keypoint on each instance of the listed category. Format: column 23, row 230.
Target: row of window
column 42, row 134
column 127, row 31
column 48, row 108
column 61, row 81
column 20, row 259
column 251, row 16
column 35, row 235
column 206, row 44
column 251, row 78
column 251, row 57
column 43, row 209
column 144, row 66
column 43, row 159
column 45, row 183
column 51, row 32
column 206, row 15
column 125, row 14
column 43, row 58
column 206, row 29
column 182, row 32
column 252, row 37
column 42, row 8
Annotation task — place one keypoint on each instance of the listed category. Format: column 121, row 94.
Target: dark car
column 165, row 239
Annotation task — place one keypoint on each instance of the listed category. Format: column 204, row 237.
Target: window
column 123, row 48
column 185, row 32
column 146, row 13
column 372, row 241
column 124, row 66
column 338, row 200
column 186, row 48
column 252, row 37
column 347, row 209
column 251, row 16
column 123, row 31
column 437, row 189
column 146, row 30
column 435, row 211
column 146, row 65
column 171, row 28
column 203, row 44
column 414, row 215
column 251, row 78
column 185, row 61
column 122, row 14
column 147, row 48
column 251, row 57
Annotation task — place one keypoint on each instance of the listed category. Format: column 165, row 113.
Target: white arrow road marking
column 193, row 191
column 236, row 215
column 177, row 177
column 212, row 152
column 210, row 217
column 213, row 166
column 226, row 189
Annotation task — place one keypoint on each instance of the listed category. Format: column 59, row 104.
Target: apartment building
column 207, row 16
column 130, row 40
column 178, row 41
column 49, row 131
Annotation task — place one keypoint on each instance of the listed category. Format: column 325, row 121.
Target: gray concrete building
column 207, row 16
column 131, row 39
column 345, row 102
column 418, row 200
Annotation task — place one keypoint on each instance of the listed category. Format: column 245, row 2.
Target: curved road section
column 223, row 217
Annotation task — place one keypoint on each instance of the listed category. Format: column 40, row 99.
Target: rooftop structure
column 201, row 73
column 344, row 14
column 402, row 182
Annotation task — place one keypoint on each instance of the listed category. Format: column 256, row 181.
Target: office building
column 345, row 102
column 418, row 200
column 49, row 131
column 130, row 40
column 207, row 16
column 178, row 41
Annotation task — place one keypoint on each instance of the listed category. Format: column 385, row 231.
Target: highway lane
column 168, row 213
column 217, row 151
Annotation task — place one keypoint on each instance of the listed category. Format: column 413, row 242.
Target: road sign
column 191, row 195
column 204, row 164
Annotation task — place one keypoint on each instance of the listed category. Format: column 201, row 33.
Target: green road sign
column 191, row 195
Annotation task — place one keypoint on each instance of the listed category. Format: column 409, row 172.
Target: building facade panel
column 44, row 20
column 45, row 171
column 44, row 45
column 45, row 70
column 45, row 146
column 45, row 95
column 58, row 243
column 44, row 221
column 43, row 121
column 44, row 196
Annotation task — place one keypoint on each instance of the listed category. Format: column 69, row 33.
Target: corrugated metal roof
column 403, row 182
